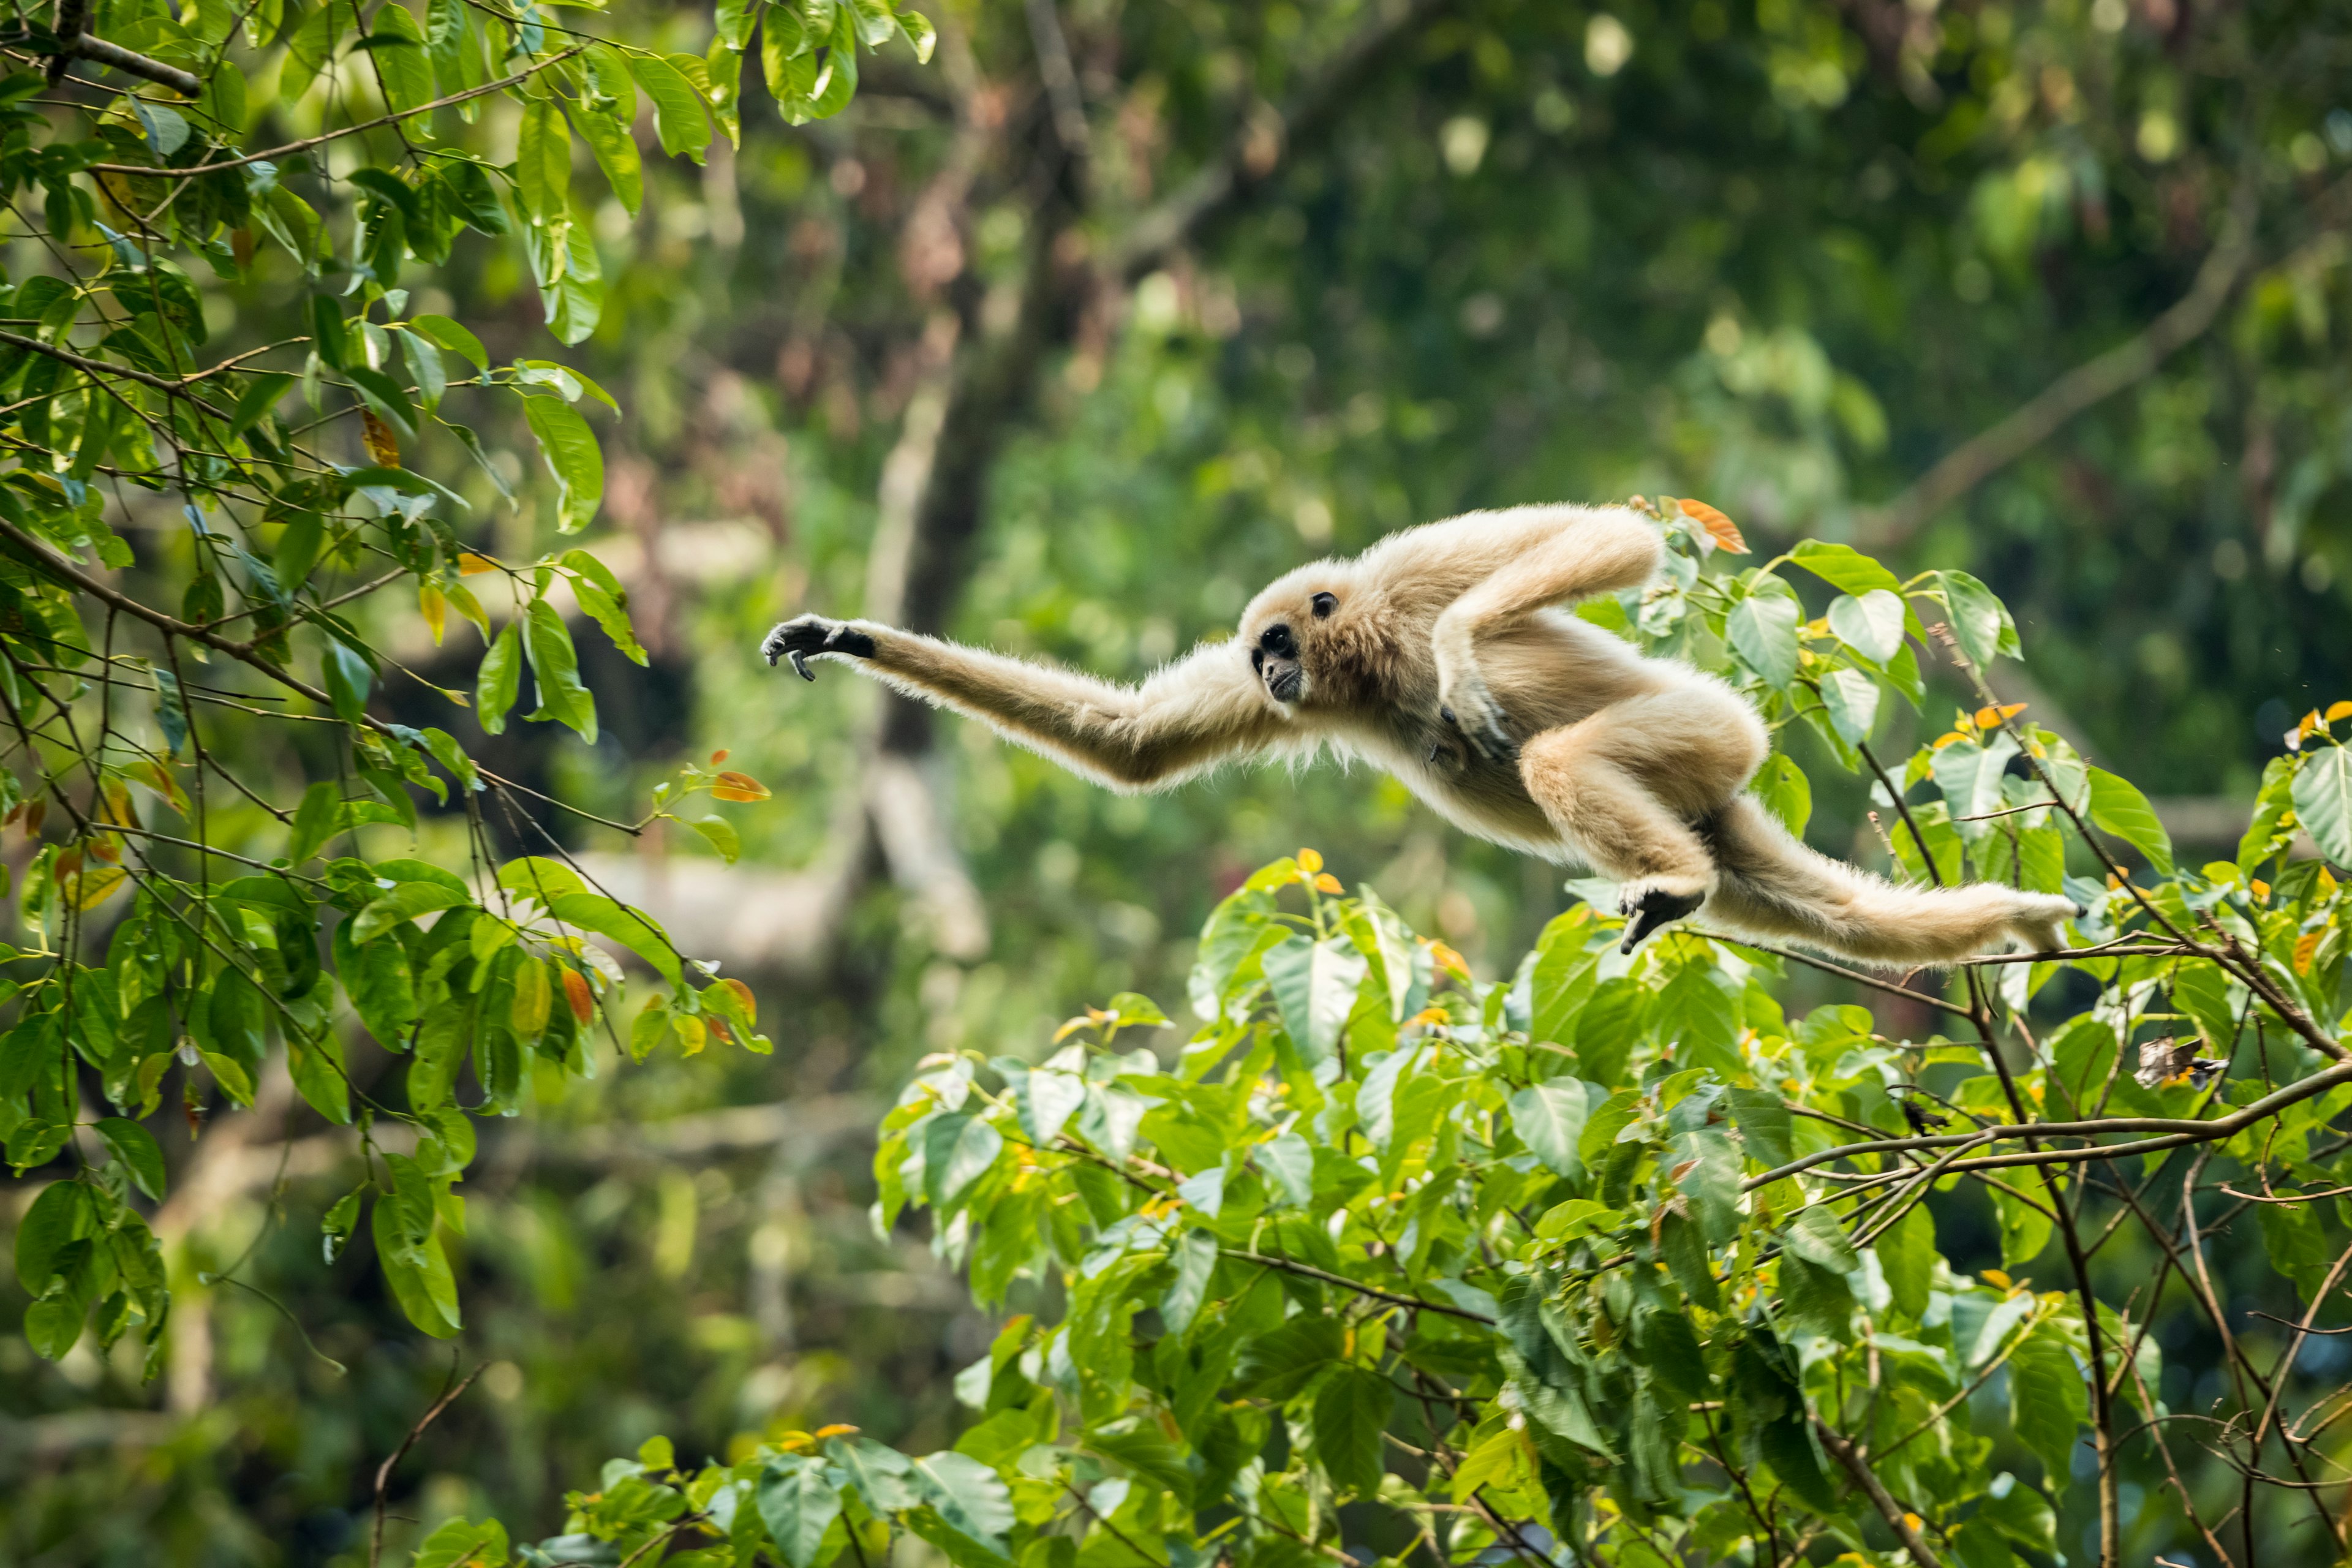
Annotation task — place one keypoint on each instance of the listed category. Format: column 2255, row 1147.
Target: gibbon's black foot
column 798, row 639
column 1648, row 908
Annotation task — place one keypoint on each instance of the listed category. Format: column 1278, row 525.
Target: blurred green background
column 1062, row 345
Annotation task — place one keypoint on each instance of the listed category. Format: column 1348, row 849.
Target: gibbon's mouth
column 1286, row 681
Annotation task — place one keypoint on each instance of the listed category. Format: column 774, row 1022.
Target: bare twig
column 383, row 1471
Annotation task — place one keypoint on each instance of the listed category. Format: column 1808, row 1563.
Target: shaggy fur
column 1444, row 655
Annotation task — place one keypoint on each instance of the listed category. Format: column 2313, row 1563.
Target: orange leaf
column 718, row 757
column 1447, row 959
column 2304, row 946
column 733, row 785
column 2338, row 710
column 576, row 991
column 743, row 995
column 377, row 436
column 2260, row 890
column 1719, row 527
column 1327, row 883
column 1994, row 717
column 472, row 566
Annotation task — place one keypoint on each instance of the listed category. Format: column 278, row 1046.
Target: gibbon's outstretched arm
column 1591, row 550
column 1184, row 719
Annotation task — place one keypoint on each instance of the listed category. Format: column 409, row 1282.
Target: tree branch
column 1892, row 1513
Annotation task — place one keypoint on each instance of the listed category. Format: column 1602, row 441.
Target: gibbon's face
column 1282, row 631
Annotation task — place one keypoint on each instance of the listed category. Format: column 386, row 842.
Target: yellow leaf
column 1994, row 717
column 1071, row 1027
column 377, row 436
column 1450, row 961
column 1327, row 883
column 2338, row 710
column 472, row 566
column 1719, row 527
column 1912, row 1521
column 838, row 1430
column 2311, row 724
column 1309, row 862
column 738, row 787
column 2304, row 946
column 1996, row 1276
column 2326, row 882
column 2260, row 890
column 93, row 887
column 532, row 998
column 1941, row 742
column 692, row 1032
column 434, row 606
column 743, row 995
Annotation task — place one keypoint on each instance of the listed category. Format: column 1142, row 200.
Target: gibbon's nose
column 1283, row 680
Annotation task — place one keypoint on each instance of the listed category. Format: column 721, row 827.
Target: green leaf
column 720, row 833
column 615, row 148
column 555, row 671
column 1907, row 1255
column 384, row 395
column 1870, row 623
column 1815, row 1235
column 1785, row 793
column 2047, row 1401
column 347, row 677
column 136, row 1147
column 544, row 161
column 2119, row 806
column 498, row 680
column 2323, row 800
column 449, row 334
column 1707, row 1170
column 571, row 455
column 1849, row 698
column 1351, row 1409
column 597, row 913
column 1843, row 567
column 1313, row 985
column 316, row 821
column 1548, row 1119
column 235, row 1021
column 403, row 903
column 969, row 1496
column 402, row 66
column 958, row 1149
column 1762, row 629
column 1977, row 620
column 681, row 115
column 798, row 1505
column 1194, row 1253
column 1762, row 1117
column 461, row 1544
column 64, row 1214
column 1278, row 1364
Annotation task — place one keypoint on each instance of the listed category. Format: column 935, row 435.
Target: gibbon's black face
column 1275, row 653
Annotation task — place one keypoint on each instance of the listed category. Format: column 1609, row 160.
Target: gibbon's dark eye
column 1275, row 640
column 1325, row 603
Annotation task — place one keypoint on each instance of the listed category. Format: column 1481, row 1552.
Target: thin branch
column 1856, row 975
column 383, row 1471
column 1897, row 1519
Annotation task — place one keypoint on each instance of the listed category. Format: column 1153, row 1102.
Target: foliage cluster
column 1611, row 1260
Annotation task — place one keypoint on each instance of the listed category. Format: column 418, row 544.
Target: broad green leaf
column 1315, row 987
column 402, row 904
column 401, row 67
column 63, row 1214
column 1907, row 1255
column 450, row 335
column 681, row 114
column 1977, row 619
column 2047, row 1401
column 1351, row 1409
column 555, row 672
column 971, row 1498
column 615, row 148
column 2119, row 806
column 1548, row 1119
column 1843, row 567
column 1762, row 629
column 136, row 1147
column 570, row 449
column 2323, row 801
column 798, row 1505
column 1870, row 623
column 543, row 162
column 500, row 681
column 1785, row 793
column 1850, row 699
column 597, row 913
column 1815, row 1235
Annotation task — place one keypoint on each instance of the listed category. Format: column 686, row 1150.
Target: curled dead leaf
column 1719, row 527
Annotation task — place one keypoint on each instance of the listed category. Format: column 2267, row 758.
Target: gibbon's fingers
column 1651, row 908
column 797, row 639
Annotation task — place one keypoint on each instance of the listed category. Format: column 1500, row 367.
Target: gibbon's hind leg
column 1624, row 786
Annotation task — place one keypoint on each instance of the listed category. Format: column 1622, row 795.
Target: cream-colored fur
column 1443, row 654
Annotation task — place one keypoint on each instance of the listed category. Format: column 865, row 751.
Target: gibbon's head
column 1294, row 631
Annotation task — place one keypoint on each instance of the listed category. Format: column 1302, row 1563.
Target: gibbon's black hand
column 798, row 639
column 1646, row 909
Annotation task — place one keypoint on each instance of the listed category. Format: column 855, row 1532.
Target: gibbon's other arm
column 1186, row 718
column 1591, row 550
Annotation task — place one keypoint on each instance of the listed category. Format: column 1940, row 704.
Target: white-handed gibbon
column 1442, row 654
